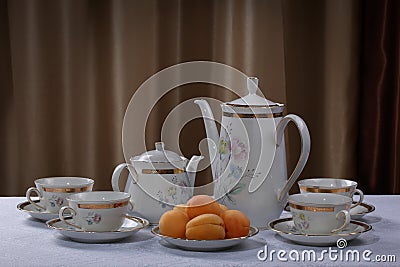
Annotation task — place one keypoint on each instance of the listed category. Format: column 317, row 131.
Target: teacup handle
column 28, row 196
column 131, row 206
column 61, row 215
column 117, row 175
column 305, row 149
column 361, row 198
column 346, row 215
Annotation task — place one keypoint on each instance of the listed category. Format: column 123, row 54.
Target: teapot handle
column 305, row 149
column 117, row 174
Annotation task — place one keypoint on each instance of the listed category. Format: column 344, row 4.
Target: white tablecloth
column 28, row 242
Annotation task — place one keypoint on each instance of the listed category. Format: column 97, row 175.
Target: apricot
column 181, row 207
column 202, row 204
column 236, row 223
column 223, row 207
column 205, row 227
column 173, row 223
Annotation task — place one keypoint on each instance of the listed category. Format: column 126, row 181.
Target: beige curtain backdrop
column 322, row 52
column 69, row 69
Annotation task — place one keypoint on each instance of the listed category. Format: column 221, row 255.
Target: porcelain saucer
column 36, row 212
column 131, row 225
column 204, row 245
column 361, row 210
column 286, row 229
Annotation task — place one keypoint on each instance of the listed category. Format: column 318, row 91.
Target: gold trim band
column 255, row 106
column 165, row 171
column 252, row 116
column 324, row 190
column 310, row 208
column 102, row 206
column 67, row 190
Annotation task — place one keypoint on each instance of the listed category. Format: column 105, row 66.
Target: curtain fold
column 379, row 132
column 322, row 82
column 71, row 66
column 7, row 140
column 71, row 85
column 75, row 65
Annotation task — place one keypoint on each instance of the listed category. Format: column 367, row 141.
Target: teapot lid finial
column 252, row 85
column 159, row 146
column 252, row 99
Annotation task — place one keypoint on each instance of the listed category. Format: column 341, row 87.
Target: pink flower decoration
column 239, row 150
column 60, row 201
column 97, row 218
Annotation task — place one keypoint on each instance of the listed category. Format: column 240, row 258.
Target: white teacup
column 320, row 213
column 331, row 185
column 53, row 191
column 98, row 211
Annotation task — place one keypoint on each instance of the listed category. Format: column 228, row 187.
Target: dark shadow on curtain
column 7, row 141
column 379, row 131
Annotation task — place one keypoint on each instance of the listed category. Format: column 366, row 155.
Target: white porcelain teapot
column 248, row 158
column 158, row 180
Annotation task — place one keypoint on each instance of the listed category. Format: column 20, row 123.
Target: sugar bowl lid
column 159, row 155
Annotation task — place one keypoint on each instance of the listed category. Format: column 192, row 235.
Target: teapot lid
column 252, row 99
column 159, row 155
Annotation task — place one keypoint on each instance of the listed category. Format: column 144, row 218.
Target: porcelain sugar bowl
column 158, row 180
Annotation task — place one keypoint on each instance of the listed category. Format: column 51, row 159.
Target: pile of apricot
column 203, row 218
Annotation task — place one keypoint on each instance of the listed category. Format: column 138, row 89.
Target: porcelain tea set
column 248, row 163
column 69, row 205
column 159, row 179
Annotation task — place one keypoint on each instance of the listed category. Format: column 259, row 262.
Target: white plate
column 131, row 225
column 286, row 229
column 35, row 212
column 361, row 210
column 204, row 245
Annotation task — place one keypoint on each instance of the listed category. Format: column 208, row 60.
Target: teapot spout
column 191, row 169
column 193, row 163
column 211, row 131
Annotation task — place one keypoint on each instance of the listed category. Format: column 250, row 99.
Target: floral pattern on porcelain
column 292, row 229
column 229, row 195
column 93, row 218
column 233, row 155
column 174, row 194
column 55, row 200
column 238, row 149
column 224, row 146
column 224, row 150
column 300, row 220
